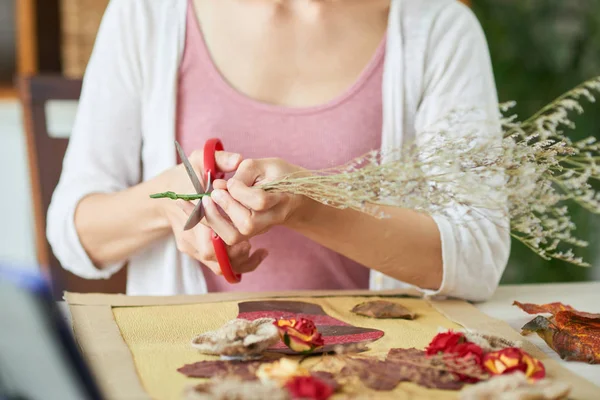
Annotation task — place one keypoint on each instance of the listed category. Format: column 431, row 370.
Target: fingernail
column 205, row 201
column 233, row 159
column 216, row 195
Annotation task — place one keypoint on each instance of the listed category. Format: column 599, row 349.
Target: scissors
column 210, row 170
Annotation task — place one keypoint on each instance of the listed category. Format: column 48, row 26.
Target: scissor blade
column 209, row 187
column 195, row 217
column 190, row 171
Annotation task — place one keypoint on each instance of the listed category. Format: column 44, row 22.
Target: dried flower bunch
column 525, row 176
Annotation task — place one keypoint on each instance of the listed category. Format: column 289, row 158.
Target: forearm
column 405, row 246
column 112, row 227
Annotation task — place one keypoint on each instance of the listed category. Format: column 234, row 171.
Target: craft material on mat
column 573, row 334
column 334, row 331
column 383, row 309
column 135, row 344
column 239, row 338
column 159, row 338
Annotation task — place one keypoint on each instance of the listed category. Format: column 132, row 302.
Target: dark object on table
column 383, row 309
column 39, row 359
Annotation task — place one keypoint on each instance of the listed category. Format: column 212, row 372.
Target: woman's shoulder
column 145, row 13
column 420, row 15
column 443, row 19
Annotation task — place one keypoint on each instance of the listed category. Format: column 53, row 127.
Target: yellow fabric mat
column 159, row 338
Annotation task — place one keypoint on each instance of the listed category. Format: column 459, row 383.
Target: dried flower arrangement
column 450, row 362
column 533, row 170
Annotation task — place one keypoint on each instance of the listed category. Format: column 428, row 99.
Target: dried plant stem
column 177, row 196
column 459, row 167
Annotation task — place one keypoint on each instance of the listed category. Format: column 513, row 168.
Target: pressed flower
column 300, row 335
column 444, row 341
column 512, row 359
column 280, row 371
column 308, row 387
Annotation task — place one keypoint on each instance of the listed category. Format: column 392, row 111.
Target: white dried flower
column 526, row 176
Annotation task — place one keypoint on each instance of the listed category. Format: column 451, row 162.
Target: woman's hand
column 196, row 242
column 249, row 210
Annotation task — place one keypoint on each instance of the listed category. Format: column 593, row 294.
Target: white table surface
column 581, row 296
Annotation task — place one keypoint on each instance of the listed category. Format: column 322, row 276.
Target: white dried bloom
column 527, row 175
column 239, row 338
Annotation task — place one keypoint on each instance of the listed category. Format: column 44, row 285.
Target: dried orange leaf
column 550, row 308
column 383, row 309
column 574, row 335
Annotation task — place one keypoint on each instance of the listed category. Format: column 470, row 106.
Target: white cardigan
column 436, row 58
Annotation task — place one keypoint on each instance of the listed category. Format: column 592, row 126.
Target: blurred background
column 539, row 48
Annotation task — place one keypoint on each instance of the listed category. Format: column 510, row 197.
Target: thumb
column 226, row 161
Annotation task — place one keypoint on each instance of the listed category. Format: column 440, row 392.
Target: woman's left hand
column 249, row 210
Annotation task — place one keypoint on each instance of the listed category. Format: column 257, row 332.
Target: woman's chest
column 330, row 133
column 291, row 53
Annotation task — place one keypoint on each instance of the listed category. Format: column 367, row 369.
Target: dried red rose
column 300, row 335
column 308, row 387
column 513, row 359
column 443, row 342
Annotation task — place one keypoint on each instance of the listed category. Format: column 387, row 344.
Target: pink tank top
column 317, row 137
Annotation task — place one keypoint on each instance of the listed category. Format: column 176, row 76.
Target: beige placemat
column 135, row 344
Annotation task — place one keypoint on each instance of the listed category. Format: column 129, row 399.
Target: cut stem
column 178, row 196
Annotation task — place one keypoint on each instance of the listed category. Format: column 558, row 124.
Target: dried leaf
column 244, row 370
column 550, row 308
column 438, row 372
column 574, row 335
column 328, row 378
column 402, row 365
column 374, row 374
column 383, row 309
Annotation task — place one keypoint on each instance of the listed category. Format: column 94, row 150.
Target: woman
column 285, row 85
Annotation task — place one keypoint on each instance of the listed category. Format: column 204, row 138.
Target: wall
column 16, row 221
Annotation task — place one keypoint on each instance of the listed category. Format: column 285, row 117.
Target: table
column 582, row 296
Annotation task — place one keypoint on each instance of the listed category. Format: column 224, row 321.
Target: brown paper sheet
column 120, row 300
column 106, row 352
column 112, row 361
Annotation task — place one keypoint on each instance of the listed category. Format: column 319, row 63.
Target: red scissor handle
column 210, row 165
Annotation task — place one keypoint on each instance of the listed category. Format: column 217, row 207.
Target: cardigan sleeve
column 458, row 73
column 103, row 155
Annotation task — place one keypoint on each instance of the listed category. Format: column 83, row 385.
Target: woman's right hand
column 197, row 242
